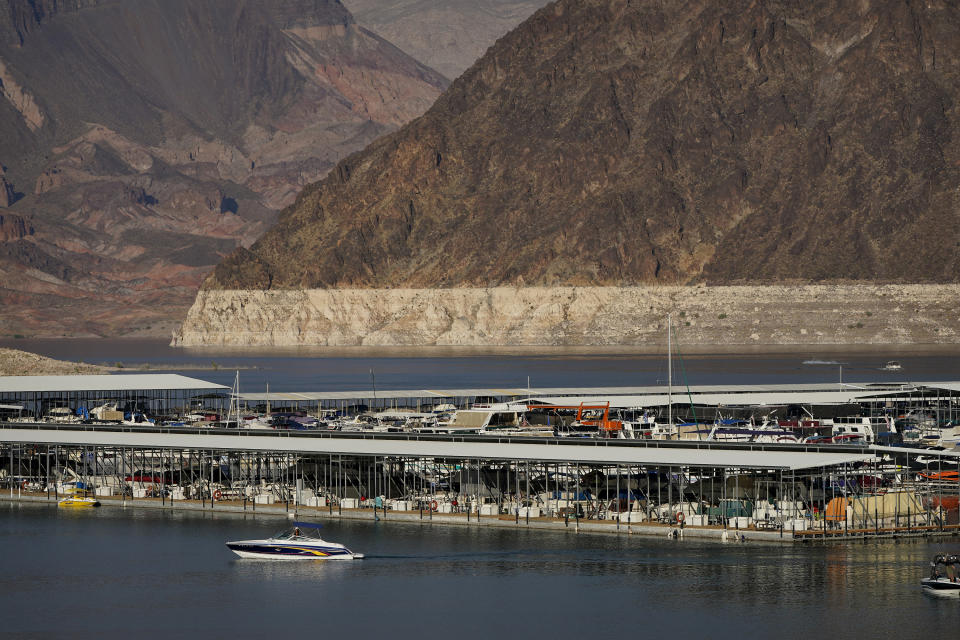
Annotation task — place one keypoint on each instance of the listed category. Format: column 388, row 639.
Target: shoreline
column 601, row 527
column 605, row 527
column 893, row 350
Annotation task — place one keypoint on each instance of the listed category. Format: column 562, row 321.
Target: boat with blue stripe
column 301, row 542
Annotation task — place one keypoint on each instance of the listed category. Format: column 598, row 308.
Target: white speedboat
column 944, row 580
column 302, row 542
column 941, row 587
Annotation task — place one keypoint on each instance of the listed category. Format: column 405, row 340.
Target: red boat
column 949, row 503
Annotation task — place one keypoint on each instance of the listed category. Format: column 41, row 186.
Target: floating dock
column 775, row 491
column 795, row 492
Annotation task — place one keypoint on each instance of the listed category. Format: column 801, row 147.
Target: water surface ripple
column 145, row 573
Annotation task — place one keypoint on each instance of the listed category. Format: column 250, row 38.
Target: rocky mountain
column 615, row 142
column 446, row 35
column 143, row 140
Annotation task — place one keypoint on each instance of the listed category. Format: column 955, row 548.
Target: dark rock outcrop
column 607, row 142
column 13, row 228
column 7, row 194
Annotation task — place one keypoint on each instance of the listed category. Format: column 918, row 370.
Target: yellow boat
column 78, row 502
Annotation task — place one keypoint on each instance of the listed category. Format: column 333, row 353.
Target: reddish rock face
column 606, row 142
column 13, row 228
column 149, row 138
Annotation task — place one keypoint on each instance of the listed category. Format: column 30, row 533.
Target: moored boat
column 302, row 542
column 78, row 502
column 745, row 431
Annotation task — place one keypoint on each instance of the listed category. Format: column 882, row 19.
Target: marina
column 841, row 462
column 655, row 529
column 802, row 461
column 490, row 318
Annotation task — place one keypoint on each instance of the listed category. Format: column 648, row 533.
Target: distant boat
column 893, row 365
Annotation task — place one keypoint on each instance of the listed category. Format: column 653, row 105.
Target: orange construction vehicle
column 603, row 422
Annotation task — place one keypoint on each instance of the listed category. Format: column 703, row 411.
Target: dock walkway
column 646, row 529
column 237, row 507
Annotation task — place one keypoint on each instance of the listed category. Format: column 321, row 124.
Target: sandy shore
column 14, row 362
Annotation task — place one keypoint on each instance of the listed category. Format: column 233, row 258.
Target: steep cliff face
column 606, row 142
column 446, row 35
column 142, row 140
column 721, row 316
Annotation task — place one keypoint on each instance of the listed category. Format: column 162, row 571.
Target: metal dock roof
column 590, row 451
column 730, row 395
column 104, row 382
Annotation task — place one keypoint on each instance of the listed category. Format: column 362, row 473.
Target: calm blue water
column 448, row 368
column 143, row 573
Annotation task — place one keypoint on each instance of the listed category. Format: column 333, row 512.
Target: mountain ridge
column 446, row 35
column 141, row 140
column 608, row 143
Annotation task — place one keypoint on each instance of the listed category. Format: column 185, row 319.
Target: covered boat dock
column 826, row 400
column 154, row 393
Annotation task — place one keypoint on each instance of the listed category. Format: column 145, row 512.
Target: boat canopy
column 837, row 510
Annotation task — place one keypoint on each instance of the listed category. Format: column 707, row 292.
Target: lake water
column 140, row 573
column 318, row 369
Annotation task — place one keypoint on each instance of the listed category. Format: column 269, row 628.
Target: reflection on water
column 312, row 571
column 159, row 572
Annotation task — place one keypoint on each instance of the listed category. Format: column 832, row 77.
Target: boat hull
column 941, row 588
column 267, row 550
column 78, row 503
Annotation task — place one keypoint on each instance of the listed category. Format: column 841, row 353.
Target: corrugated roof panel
column 618, row 396
column 482, row 448
column 946, row 386
column 715, row 399
column 104, row 382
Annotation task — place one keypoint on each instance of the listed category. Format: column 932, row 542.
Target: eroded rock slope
column 143, row 140
column 615, row 143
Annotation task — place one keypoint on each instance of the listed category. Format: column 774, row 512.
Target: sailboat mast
column 669, row 369
column 235, row 400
